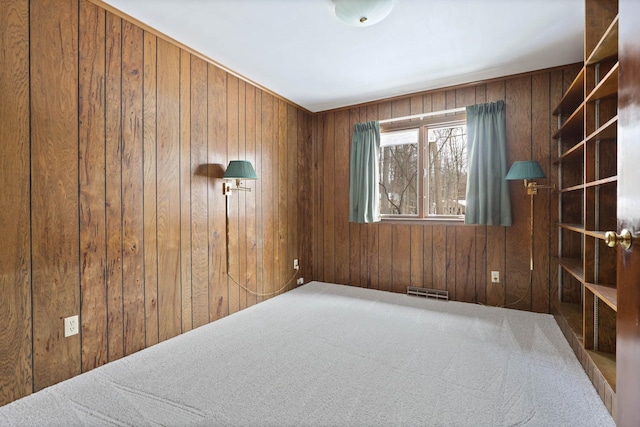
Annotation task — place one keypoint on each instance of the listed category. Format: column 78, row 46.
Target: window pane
column 447, row 170
column 398, row 173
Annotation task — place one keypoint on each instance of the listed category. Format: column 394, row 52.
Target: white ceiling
column 301, row 51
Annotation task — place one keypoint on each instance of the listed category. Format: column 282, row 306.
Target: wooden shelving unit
column 587, row 163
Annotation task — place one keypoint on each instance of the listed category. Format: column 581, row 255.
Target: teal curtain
column 364, row 194
column 487, row 197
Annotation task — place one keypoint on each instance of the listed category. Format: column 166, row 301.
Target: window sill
column 452, row 220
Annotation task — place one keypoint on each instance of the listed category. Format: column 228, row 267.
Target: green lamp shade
column 240, row 169
column 528, row 170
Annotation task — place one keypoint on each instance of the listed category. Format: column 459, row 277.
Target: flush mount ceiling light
column 362, row 13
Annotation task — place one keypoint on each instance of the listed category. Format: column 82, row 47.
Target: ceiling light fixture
column 362, row 13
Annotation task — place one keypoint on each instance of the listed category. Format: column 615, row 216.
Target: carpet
column 332, row 355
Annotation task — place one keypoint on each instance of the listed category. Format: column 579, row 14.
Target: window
column 423, row 171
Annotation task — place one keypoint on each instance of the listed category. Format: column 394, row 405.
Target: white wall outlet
column 300, row 281
column 296, row 266
column 71, row 326
column 495, row 277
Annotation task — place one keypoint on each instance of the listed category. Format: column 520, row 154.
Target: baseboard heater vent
column 428, row 293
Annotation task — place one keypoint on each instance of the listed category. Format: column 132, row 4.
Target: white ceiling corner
column 301, row 51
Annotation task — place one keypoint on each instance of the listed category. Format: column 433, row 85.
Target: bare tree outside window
column 438, row 191
column 399, row 173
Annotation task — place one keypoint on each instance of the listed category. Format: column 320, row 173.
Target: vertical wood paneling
column 341, row 196
column 184, row 192
column 150, row 245
column 217, row 121
column 357, row 232
column 233, row 210
column 16, row 376
column 199, row 157
column 518, row 100
column 541, row 116
column 328, row 194
column 401, row 257
column 91, row 152
column 113, row 188
column 168, row 190
column 54, row 187
column 132, row 193
column 251, row 214
column 119, row 142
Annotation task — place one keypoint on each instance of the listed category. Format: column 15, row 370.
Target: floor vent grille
column 428, row 293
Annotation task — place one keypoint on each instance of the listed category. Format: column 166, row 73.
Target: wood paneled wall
column 113, row 142
column 453, row 257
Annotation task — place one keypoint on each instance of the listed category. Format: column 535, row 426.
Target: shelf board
column 573, row 97
column 607, row 293
column 573, row 315
column 603, row 181
column 574, row 125
column 574, row 267
column 607, row 48
column 607, row 131
column 572, row 188
column 578, row 228
column 573, row 154
column 608, row 86
column 606, row 363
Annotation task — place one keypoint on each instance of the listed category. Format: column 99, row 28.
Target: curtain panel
column 364, row 192
column 488, row 201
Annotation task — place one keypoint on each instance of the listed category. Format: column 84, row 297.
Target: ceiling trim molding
column 452, row 87
column 192, row 51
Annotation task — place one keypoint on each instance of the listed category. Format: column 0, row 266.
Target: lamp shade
column 529, row 169
column 240, row 169
column 362, row 13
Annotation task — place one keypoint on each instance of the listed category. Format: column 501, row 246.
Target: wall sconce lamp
column 238, row 170
column 527, row 171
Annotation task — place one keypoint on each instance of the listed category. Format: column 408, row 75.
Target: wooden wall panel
column 113, row 207
column 132, row 189
column 448, row 256
column 16, row 376
column 149, row 171
column 168, row 190
column 54, row 188
column 113, row 186
column 91, row 152
column 341, row 200
column 184, row 189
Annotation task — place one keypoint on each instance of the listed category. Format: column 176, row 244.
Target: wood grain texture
column 233, row 202
column 113, row 186
column 16, row 375
column 341, row 201
column 121, row 139
column 168, row 191
column 454, row 257
column 132, row 189
column 199, row 192
column 186, row 285
column 54, row 187
column 149, row 170
column 91, row 152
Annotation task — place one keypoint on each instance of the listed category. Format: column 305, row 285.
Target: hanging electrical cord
column 297, row 270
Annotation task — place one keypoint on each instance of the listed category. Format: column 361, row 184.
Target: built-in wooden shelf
column 608, row 131
column 607, row 48
column 608, row 86
column 573, row 154
column 572, row 188
column 573, row 315
column 603, row 181
column 574, row 125
column 578, row 228
column 573, row 97
column 607, row 293
column 606, row 363
column 574, row 267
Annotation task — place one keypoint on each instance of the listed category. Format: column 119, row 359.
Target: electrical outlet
column 296, row 266
column 495, row 277
column 300, row 281
column 71, row 326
